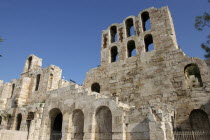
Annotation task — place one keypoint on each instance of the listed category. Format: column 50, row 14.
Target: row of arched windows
column 103, row 129
column 131, row 48
column 130, row 30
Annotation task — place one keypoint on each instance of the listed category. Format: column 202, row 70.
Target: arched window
column 145, row 21
column 56, row 118
column 103, row 124
column 131, row 48
column 192, row 74
column 37, row 81
column 113, row 32
column 148, row 41
column 114, row 54
column 199, row 120
column 95, row 87
column 18, row 121
column 13, row 88
column 130, row 27
column 78, row 124
column 29, row 62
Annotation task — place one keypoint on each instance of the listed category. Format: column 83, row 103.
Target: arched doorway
column 78, row 124
column 103, row 129
column 18, row 121
column 199, row 120
column 56, row 118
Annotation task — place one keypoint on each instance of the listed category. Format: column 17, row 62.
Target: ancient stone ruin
column 146, row 88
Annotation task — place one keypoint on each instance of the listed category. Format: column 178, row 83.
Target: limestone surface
column 146, row 88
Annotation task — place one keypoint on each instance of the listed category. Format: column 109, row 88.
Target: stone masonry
column 146, row 88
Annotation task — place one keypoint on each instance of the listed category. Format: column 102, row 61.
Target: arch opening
column 148, row 41
column 130, row 27
column 56, row 118
column 18, row 121
column 145, row 21
column 95, row 87
column 199, row 120
column 78, row 124
column 131, row 48
column 113, row 32
column 114, row 54
column 103, row 129
column 192, row 74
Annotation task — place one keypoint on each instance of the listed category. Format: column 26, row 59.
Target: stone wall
column 13, row 135
column 139, row 92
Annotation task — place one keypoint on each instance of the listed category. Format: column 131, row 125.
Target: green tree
column 202, row 23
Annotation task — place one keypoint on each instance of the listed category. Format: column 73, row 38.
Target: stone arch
column 129, row 23
column 95, row 87
column 18, row 121
column 113, row 34
column 103, row 130
column 148, row 41
column 114, row 54
column 145, row 21
column 192, row 74
column 56, row 119
column 131, row 48
column 78, row 124
column 199, row 120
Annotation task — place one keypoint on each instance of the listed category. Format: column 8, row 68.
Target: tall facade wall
column 146, row 88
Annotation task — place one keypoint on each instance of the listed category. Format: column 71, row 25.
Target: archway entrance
column 103, row 124
column 56, row 118
column 78, row 124
column 199, row 120
column 18, row 121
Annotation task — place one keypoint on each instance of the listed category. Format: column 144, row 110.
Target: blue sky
column 67, row 33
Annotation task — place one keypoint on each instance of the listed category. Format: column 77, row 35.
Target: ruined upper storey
column 152, row 29
column 33, row 82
